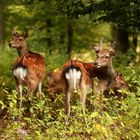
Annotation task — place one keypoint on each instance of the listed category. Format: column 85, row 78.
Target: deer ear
column 14, row 33
column 25, row 34
column 96, row 48
column 112, row 51
column 114, row 48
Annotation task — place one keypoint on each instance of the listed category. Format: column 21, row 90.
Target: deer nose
column 95, row 63
column 10, row 45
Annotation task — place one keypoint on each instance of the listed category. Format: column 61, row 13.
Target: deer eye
column 20, row 39
column 106, row 56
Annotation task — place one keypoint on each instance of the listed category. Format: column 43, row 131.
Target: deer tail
column 73, row 76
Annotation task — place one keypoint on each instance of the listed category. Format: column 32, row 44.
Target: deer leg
column 83, row 97
column 67, row 105
column 40, row 87
column 92, row 87
column 40, row 93
column 31, row 88
column 101, row 101
column 20, row 88
column 83, row 100
column 84, row 94
column 67, row 102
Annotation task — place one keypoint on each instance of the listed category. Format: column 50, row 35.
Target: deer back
column 34, row 64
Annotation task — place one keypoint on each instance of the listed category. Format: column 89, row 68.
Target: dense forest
column 60, row 31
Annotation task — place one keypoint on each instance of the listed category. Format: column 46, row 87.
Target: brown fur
column 34, row 63
column 119, row 83
column 58, row 82
column 108, row 79
column 85, row 82
column 103, row 67
column 54, row 83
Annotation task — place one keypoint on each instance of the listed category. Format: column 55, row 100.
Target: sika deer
column 76, row 78
column 29, row 68
column 108, row 79
column 115, row 86
column 55, row 84
column 104, row 70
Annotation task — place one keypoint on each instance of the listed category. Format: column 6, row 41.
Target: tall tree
column 124, row 15
column 70, row 10
column 121, row 35
column 69, row 37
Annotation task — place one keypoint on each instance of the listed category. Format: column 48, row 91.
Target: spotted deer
column 55, row 84
column 75, row 78
column 29, row 68
column 115, row 86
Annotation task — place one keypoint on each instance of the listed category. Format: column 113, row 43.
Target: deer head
column 18, row 40
column 120, row 81
column 104, row 56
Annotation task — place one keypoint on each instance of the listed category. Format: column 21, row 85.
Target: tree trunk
column 1, row 23
column 122, row 37
column 69, row 37
column 135, row 40
column 49, row 38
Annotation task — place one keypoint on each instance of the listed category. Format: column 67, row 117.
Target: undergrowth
column 44, row 117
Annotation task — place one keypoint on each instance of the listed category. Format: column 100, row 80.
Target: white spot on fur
column 20, row 73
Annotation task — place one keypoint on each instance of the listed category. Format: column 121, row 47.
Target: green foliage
column 7, row 59
column 44, row 118
column 125, row 59
column 47, row 23
column 123, row 13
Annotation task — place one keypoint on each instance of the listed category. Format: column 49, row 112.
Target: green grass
column 7, row 57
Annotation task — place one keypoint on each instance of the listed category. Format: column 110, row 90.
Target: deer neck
column 106, row 76
column 23, row 50
column 106, row 73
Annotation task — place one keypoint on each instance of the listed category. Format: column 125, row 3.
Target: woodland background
column 60, row 30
